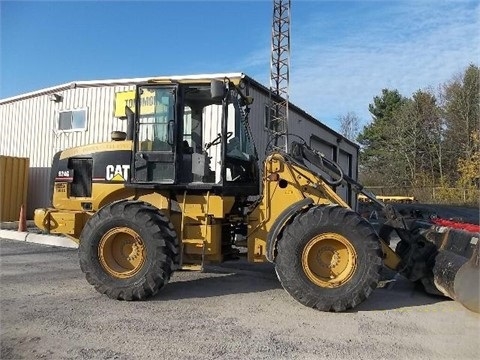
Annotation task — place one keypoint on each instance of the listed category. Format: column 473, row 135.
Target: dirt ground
column 237, row 311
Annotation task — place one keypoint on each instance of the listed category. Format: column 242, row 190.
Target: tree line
column 430, row 139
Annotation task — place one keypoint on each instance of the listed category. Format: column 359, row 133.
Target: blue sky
column 342, row 54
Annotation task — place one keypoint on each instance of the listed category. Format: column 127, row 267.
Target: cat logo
column 117, row 172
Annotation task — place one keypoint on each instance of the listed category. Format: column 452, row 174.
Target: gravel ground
column 236, row 311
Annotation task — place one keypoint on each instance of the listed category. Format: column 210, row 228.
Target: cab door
column 155, row 135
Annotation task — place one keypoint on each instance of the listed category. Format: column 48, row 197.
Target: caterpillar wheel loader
column 183, row 187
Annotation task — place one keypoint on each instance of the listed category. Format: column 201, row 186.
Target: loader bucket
column 456, row 272
column 467, row 284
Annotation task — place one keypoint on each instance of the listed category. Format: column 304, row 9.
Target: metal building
column 40, row 123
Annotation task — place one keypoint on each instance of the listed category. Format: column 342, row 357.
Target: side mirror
column 217, row 89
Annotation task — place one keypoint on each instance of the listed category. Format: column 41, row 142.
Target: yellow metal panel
column 3, row 185
column 196, row 205
column 194, row 235
column 147, row 102
column 157, row 199
column 257, row 247
column 99, row 147
column 284, row 184
column 40, row 218
column 9, row 206
column 104, row 194
column 390, row 258
column 13, row 189
column 64, row 222
column 61, row 222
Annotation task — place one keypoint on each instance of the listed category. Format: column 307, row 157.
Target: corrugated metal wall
column 299, row 124
column 31, row 125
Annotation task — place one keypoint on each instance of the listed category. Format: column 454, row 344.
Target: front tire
column 329, row 258
column 127, row 250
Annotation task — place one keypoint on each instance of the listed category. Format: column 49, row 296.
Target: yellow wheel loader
column 183, row 187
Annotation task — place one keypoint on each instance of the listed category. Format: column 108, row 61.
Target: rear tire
column 127, row 250
column 329, row 258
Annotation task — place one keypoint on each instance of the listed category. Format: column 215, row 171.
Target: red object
column 22, row 220
column 456, row 225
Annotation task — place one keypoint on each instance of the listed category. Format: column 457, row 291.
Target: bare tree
column 349, row 125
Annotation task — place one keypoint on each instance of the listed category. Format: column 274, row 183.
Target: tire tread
column 160, row 235
column 289, row 246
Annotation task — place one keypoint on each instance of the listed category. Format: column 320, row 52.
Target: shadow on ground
column 242, row 277
column 228, row 279
column 402, row 294
column 226, row 284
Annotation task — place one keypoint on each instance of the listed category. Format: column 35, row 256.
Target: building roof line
column 110, row 82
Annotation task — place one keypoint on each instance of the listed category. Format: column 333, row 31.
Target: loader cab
column 187, row 137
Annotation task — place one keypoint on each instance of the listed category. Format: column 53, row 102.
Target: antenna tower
column 279, row 75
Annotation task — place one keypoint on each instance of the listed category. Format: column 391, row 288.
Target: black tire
column 158, row 248
column 328, row 222
column 118, row 135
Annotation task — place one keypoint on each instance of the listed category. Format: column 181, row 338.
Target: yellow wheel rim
column 121, row 252
column 329, row 260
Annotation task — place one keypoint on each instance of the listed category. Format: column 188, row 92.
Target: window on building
column 72, row 120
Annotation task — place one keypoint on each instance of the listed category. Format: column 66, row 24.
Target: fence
column 433, row 195
column 13, row 186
